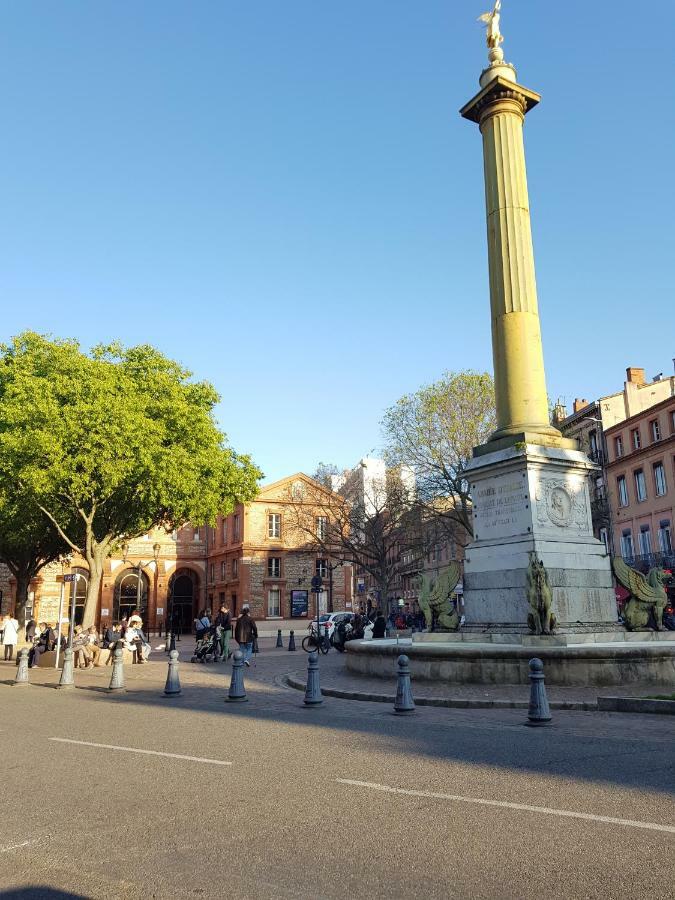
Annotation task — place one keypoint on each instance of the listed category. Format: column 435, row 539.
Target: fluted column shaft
column 520, row 383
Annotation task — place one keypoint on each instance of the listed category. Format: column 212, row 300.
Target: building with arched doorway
column 183, row 598
column 253, row 555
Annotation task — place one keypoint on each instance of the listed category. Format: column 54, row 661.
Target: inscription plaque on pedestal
column 501, row 507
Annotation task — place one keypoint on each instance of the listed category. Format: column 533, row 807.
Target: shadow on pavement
column 39, row 892
column 611, row 748
column 617, row 749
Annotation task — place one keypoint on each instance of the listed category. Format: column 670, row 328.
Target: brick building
column 589, row 423
column 258, row 555
column 641, row 484
column 252, row 556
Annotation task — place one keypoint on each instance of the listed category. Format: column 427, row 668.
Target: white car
column 331, row 620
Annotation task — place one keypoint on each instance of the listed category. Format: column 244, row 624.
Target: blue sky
column 283, row 197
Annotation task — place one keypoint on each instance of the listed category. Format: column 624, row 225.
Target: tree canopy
column 434, row 431
column 112, row 443
column 28, row 542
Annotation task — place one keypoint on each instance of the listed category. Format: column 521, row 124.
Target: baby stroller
column 207, row 647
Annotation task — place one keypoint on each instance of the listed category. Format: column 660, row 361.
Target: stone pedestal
column 532, row 498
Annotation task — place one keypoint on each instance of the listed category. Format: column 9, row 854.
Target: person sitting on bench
column 46, row 641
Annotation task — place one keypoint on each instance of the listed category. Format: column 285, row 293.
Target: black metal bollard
column 67, row 679
column 313, row 696
column 172, row 686
column 538, row 712
column 280, row 642
column 237, row 693
column 291, row 641
column 117, row 678
column 22, row 671
column 404, row 703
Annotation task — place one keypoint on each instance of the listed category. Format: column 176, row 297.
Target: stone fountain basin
column 613, row 662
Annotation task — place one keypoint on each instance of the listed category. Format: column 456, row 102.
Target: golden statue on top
column 494, row 37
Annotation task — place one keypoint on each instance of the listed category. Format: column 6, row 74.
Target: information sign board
column 299, row 604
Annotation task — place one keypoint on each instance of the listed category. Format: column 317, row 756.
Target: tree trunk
column 22, row 588
column 383, row 587
column 95, row 563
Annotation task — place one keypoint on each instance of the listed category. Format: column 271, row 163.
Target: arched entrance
column 131, row 594
column 183, row 599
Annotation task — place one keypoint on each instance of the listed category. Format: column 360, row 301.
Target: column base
column 502, row 440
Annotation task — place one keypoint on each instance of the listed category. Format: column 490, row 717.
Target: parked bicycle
column 321, row 643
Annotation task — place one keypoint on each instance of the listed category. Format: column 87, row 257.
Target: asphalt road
column 268, row 799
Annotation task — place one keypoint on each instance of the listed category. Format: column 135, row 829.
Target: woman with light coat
column 10, row 635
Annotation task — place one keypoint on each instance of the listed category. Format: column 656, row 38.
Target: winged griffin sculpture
column 648, row 595
column 540, row 619
column 434, row 597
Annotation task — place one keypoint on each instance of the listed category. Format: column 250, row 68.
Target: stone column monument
column 529, row 485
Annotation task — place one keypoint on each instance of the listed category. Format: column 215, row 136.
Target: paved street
column 268, row 799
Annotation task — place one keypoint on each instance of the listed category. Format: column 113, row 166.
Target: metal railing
column 643, row 562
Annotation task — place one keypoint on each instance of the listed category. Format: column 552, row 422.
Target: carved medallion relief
column 562, row 503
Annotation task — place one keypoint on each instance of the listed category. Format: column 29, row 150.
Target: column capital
column 497, row 90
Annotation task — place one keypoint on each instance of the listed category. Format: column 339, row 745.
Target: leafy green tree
column 28, row 542
column 434, row 431
column 113, row 443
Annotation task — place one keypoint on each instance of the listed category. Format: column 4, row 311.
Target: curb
column 446, row 702
column 636, row 705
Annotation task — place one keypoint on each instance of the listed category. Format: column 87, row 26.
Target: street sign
column 69, row 578
column 317, row 581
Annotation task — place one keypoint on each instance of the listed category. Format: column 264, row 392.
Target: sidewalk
column 279, row 668
column 336, row 681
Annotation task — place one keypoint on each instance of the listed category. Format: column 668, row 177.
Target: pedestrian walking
column 245, row 632
column 224, row 622
column 10, row 635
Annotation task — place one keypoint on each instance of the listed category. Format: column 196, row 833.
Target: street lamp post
column 73, row 596
column 65, row 562
column 156, row 548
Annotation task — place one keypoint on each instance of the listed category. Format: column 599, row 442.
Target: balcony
column 643, row 562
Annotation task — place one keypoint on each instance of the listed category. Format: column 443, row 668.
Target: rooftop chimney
column 635, row 376
column 580, row 404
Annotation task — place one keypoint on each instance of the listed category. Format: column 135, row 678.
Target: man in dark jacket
column 245, row 632
column 223, row 621
column 379, row 626
column 46, row 641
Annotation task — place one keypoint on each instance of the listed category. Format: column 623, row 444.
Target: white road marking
column 19, row 846
column 199, row 759
column 545, row 810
